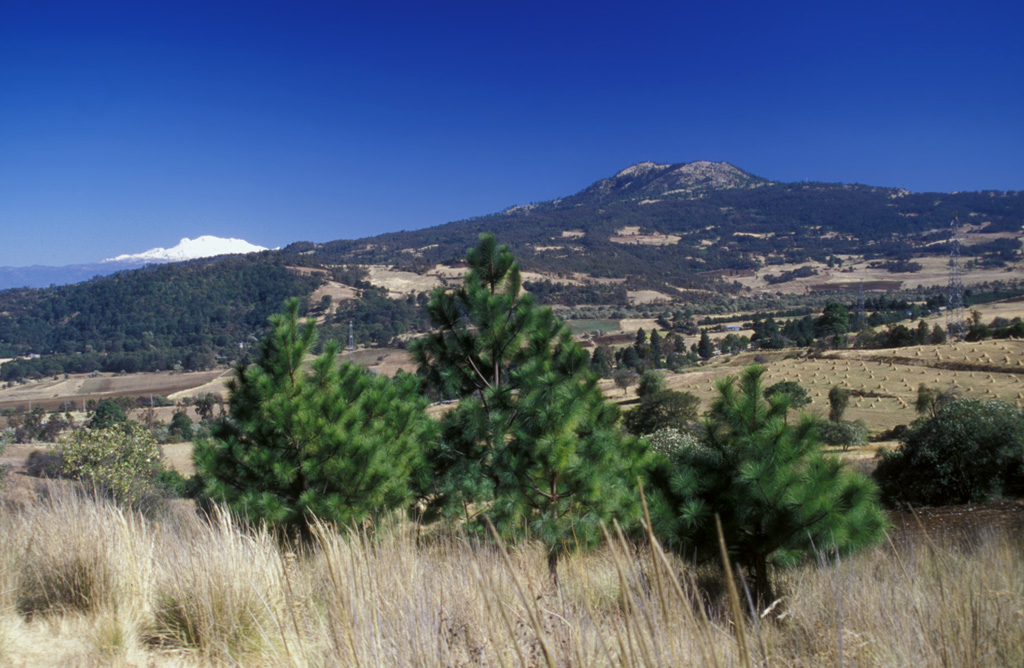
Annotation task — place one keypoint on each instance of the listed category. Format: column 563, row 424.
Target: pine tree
column 779, row 497
column 309, row 439
column 705, row 348
column 532, row 445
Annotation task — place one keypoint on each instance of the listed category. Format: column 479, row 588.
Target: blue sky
column 128, row 125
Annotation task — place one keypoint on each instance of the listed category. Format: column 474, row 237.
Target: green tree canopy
column 838, row 400
column 532, row 444
column 798, row 397
column 834, row 321
column 651, row 381
column 705, row 347
column 779, row 497
column 107, row 414
column 662, row 409
column 313, row 440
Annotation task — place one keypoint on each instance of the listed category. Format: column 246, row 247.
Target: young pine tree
column 312, row 438
column 779, row 497
column 532, row 445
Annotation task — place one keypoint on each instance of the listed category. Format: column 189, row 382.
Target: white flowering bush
column 122, row 461
column 670, row 440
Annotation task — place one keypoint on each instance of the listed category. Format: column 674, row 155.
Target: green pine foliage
column 532, row 446
column 313, row 439
column 779, row 497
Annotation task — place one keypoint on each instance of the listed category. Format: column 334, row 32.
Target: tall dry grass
column 84, row 583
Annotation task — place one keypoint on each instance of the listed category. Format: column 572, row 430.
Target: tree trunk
column 762, row 587
column 553, row 566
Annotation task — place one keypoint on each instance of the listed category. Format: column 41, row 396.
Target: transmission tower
column 860, row 307
column 351, row 341
column 956, row 328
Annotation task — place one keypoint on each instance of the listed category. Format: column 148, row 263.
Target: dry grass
column 82, row 583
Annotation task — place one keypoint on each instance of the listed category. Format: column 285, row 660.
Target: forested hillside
column 184, row 314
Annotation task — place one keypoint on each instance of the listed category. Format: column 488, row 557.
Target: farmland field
column 601, row 326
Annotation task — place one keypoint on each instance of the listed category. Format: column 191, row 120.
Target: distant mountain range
column 651, row 238
column 39, row 276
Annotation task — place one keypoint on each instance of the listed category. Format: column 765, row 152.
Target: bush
column 45, row 464
column 175, row 484
column 843, row 433
column 972, row 450
column 670, row 440
column 122, row 462
column 181, row 427
column 797, row 394
column 662, row 410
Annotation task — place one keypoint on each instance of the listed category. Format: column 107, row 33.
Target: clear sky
column 128, row 125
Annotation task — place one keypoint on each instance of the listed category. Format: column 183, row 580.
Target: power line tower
column 956, row 327
column 860, row 307
column 351, row 342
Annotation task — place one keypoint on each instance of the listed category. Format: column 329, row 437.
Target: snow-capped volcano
column 191, row 249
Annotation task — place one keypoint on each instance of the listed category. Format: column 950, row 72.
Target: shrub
column 122, row 462
column 670, row 440
column 662, row 410
column 181, row 427
column 798, row 397
column 972, row 450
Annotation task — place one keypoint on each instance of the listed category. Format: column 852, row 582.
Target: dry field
column 888, row 379
column 400, row 284
column 50, row 392
column 884, row 382
column 934, row 272
column 85, row 584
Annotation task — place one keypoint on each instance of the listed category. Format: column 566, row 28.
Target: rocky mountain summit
column 649, row 180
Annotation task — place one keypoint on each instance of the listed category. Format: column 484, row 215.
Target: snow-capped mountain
column 192, row 249
column 187, row 249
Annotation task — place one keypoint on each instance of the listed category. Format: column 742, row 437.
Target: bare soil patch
column 647, row 297
column 964, row 522
column 401, row 284
column 338, row 292
column 633, row 235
